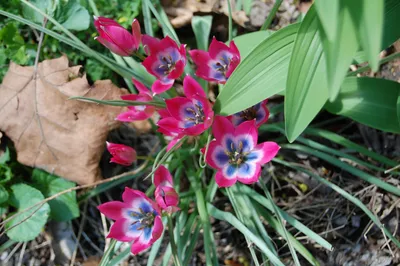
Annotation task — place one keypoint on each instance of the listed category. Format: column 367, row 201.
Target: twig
column 12, row 252
column 21, row 255
column 392, row 169
column 78, row 237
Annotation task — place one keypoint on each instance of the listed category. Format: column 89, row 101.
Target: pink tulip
column 137, row 220
column 166, row 61
column 190, row 115
column 165, row 194
column 218, row 63
column 122, row 154
column 259, row 112
column 117, row 38
column 235, row 153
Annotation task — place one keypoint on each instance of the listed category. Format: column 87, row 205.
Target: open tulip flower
column 218, row 63
column 166, row 61
column 116, row 38
column 165, row 194
column 190, row 115
column 141, row 112
column 122, row 154
column 259, row 112
column 235, row 153
column 137, row 219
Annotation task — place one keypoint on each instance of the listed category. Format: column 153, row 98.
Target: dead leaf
column 61, row 136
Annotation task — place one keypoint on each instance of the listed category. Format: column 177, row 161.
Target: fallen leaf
column 60, row 136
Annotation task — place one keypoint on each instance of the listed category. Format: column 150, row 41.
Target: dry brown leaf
column 61, row 136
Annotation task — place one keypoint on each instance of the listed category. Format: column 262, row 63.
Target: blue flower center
column 249, row 114
column 236, row 155
column 144, row 219
column 167, row 64
column 195, row 114
column 223, row 64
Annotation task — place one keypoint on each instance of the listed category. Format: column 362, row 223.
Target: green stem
column 140, row 56
column 106, row 257
column 271, row 15
column 368, row 67
column 172, row 242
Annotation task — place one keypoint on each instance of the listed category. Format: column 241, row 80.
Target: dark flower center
column 167, row 64
column 236, row 156
column 249, row 113
column 197, row 114
column 222, row 65
column 146, row 219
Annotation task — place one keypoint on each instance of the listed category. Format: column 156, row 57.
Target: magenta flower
column 235, row 153
column 190, row 115
column 218, row 63
column 117, row 38
column 138, row 112
column 165, row 194
column 166, row 61
column 137, row 219
column 259, row 112
column 122, row 154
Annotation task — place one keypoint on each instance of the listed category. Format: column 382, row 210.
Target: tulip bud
column 122, row 154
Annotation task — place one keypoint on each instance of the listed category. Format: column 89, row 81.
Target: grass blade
column 231, row 219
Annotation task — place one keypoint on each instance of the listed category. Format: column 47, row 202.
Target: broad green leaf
column 260, row 75
column 340, row 51
column 328, row 12
column 391, row 27
column 5, row 173
column 3, row 194
column 247, row 42
column 371, row 28
column 306, row 87
column 369, row 101
column 64, row 207
column 27, row 224
column 5, row 157
column 201, row 26
column 47, row 6
column 73, row 16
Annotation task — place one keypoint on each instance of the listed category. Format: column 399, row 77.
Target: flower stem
column 106, row 257
column 140, row 56
column 172, row 242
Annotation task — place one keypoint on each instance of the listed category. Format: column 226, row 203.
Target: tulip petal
column 178, row 70
column 216, row 156
column 216, row 48
column 150, row 44
column 122, row 230
column 162, row 177
column 269, row 150
column 224, row 181
column 247, row 133
column 179, row 108
column 137, row 36
column 191, row 88
column 159, row 87
column 248, row 173
column 158, row 228
column 112, row 209
column 137, row 200
column 222, row 126
column 112, row 47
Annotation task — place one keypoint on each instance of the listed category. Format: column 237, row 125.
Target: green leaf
column 47, row 6
column 64, row 207
column 73, row 16
column 231, row 219
column 371, row 28
column 247, row 42
column 398, row 107
column 260, row 75
column 328, row 15
column 22, row 197
column 369, row 101
column 306, row 87
column 5, row 157
column 17, row 54
column 5, row 173
column 391, row 27
column 340, row 51
column 3, row 194
column 201, row 26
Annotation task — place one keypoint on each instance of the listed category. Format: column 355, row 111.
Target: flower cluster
column 234, row 153
column 137, row 217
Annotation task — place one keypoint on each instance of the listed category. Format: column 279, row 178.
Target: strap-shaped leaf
column 340, row 51
column 201, row 26
column 260, row 75
column 370, row 101
column 306, row 87
column 247, row 42
column 328, row 15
